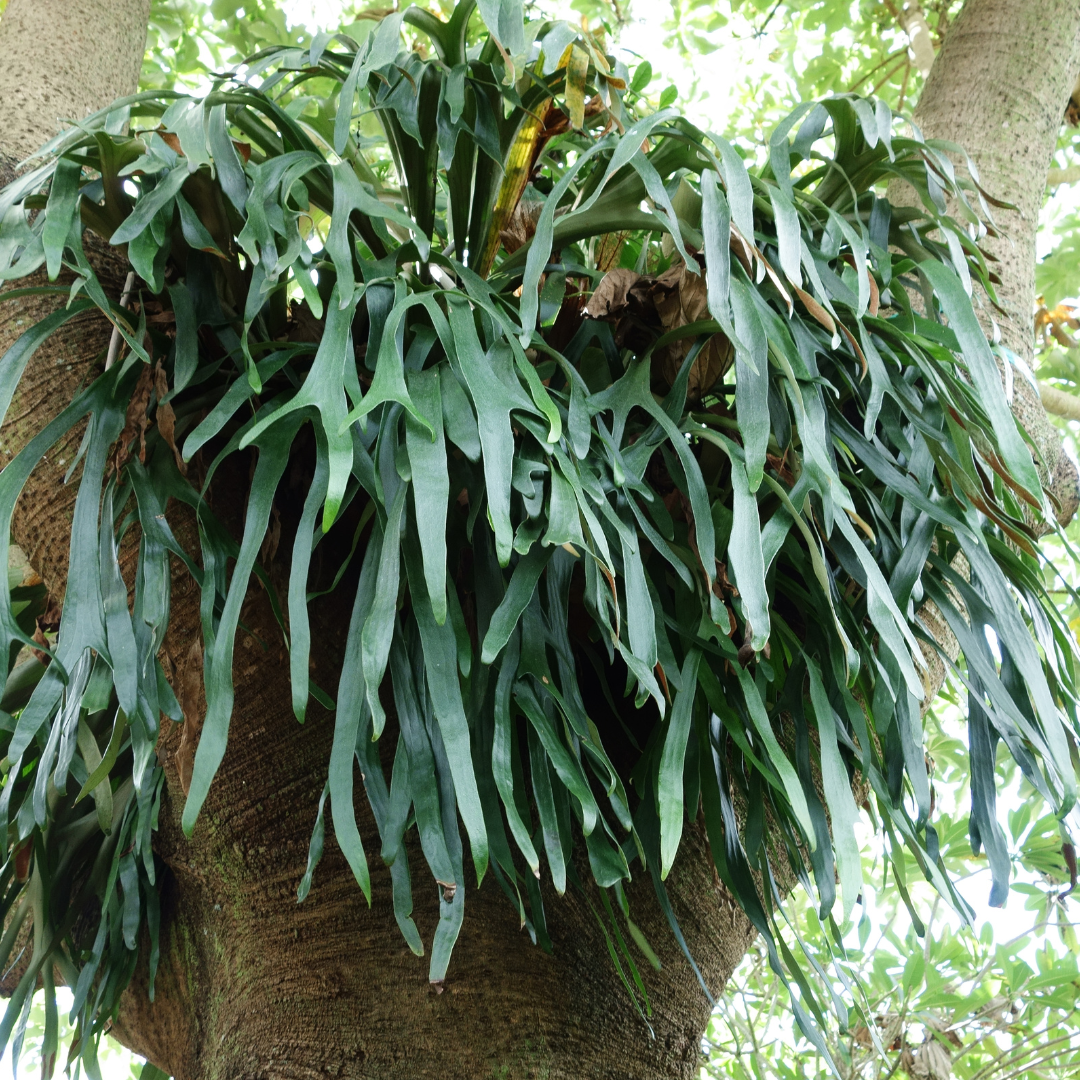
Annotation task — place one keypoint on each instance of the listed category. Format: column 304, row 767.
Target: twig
column 114, row 341
column 877, row 67
column 891, row 72
column 760, row 31
column 1014, row 1054
column 903, row 87
column 1030, row 1065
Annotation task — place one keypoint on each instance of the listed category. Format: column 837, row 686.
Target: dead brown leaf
column 932, row 1061
column 612, row 295
column 22, row 859
column 686, row 302
column 661, row 676
column 166, row 418
column 192, row 700
column 815, row 310
column 171, row 141
column 521, row 225
column 643, row 307
column 135, row 420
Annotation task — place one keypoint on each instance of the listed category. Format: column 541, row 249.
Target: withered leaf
column 643, row 307
column 22, row 859
column 166, row 418
column 815, row 309
column 521, row 226
column 171, row 140
column 932, row 1061
column 192, row 700
column 612, row 294
column 135, row 419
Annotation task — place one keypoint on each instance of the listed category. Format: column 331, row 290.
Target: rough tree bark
column 252, row 984
column 59, row 61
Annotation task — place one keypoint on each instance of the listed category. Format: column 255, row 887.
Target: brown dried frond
column 643, row 307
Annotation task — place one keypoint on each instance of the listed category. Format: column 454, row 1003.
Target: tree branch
column 913, row 20
column 1063, row 176
column 1059, row 402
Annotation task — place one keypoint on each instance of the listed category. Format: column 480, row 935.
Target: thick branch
column 1059, row 402
column 996, row 91
column 59, row 60
column 1063, row 176
column 913, row 20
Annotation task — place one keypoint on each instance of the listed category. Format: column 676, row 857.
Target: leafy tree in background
column 816, row 47
column 945, row 1002
column 631, row 514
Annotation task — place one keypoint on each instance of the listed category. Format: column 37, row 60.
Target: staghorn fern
column 705, row 442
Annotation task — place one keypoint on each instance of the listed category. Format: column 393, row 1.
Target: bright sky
column 645, row 35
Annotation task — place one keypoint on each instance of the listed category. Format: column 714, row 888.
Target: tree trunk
column 58, row 61
column 250, row 983
column 999, row 88
column 63, row 61
column 253, row 985
column 997, row 91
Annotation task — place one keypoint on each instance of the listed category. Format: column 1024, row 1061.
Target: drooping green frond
column 651, row 462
